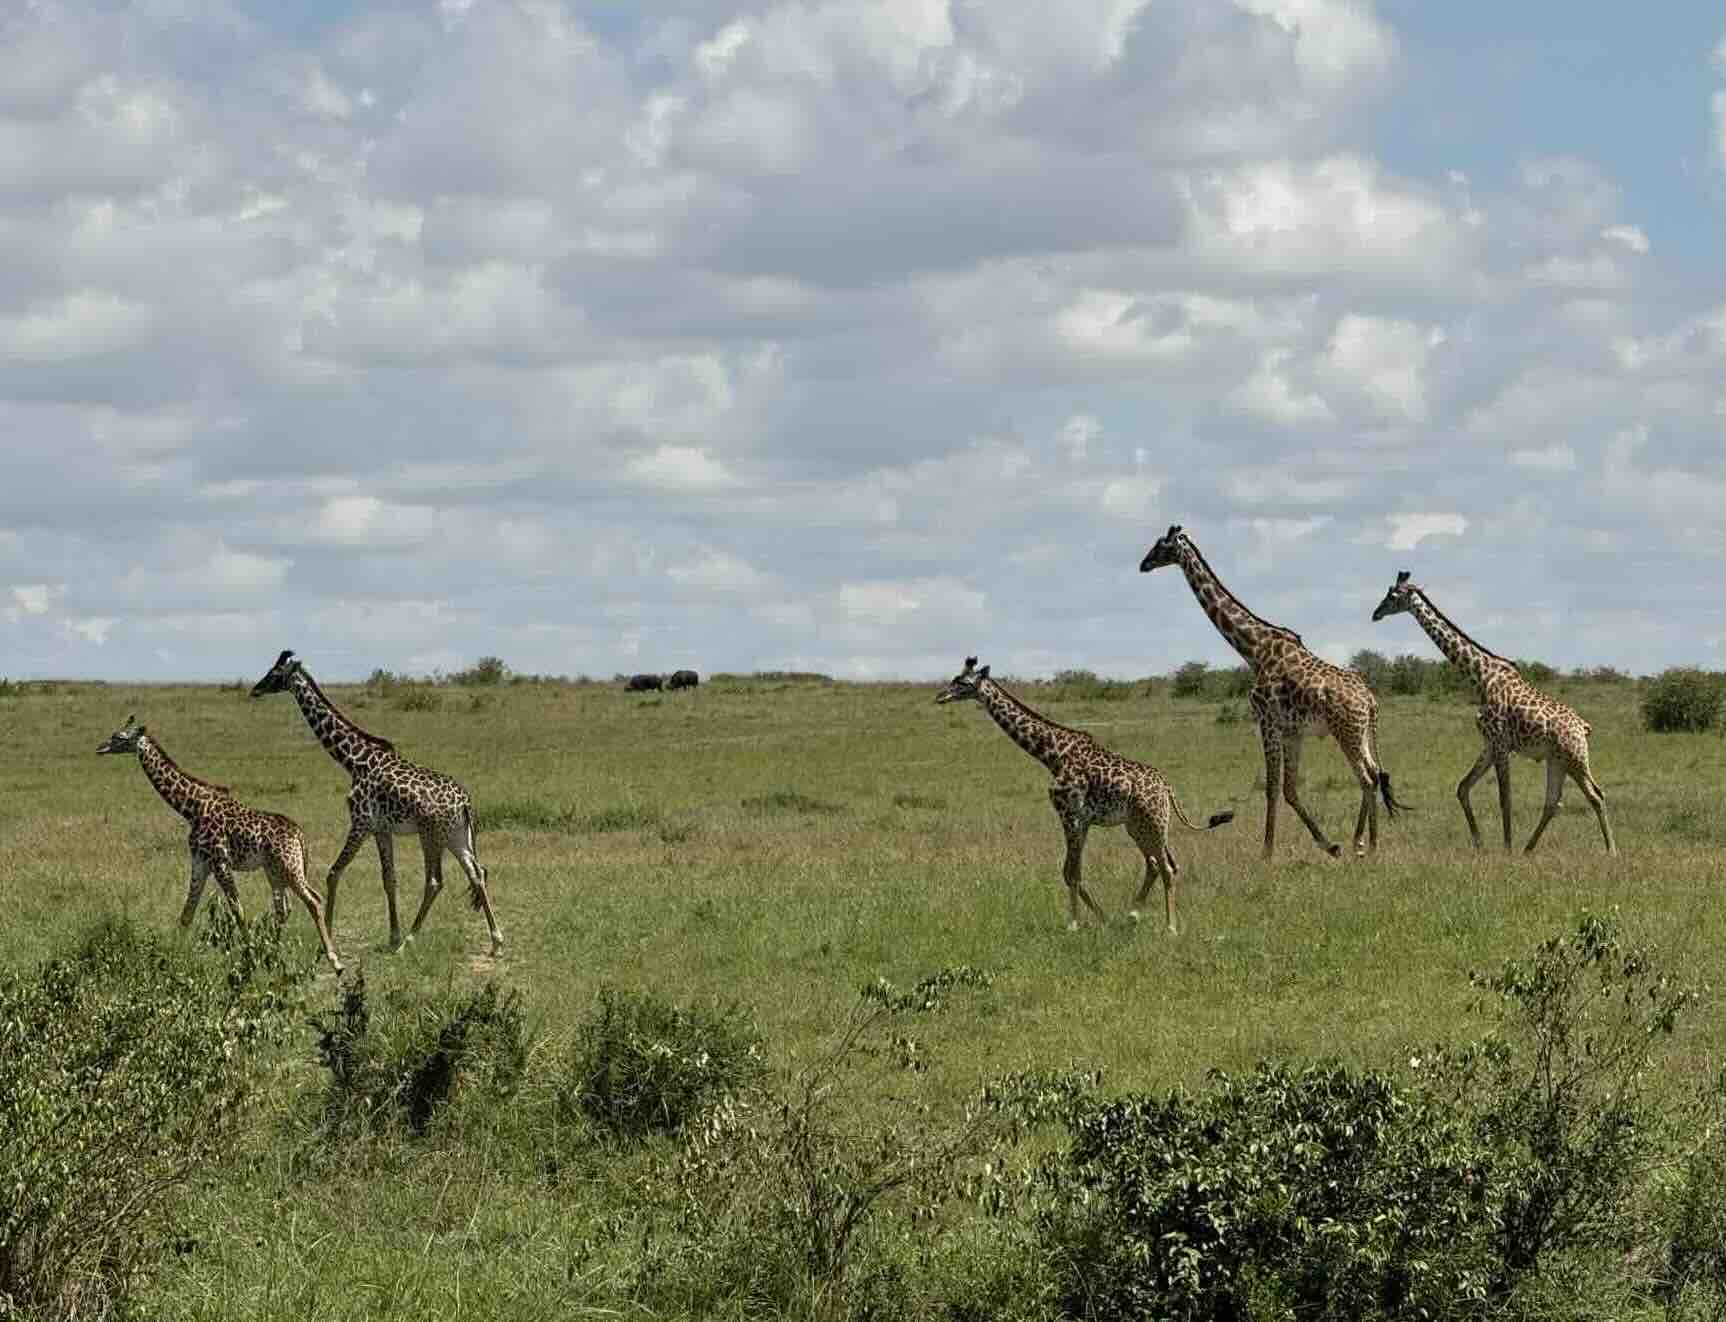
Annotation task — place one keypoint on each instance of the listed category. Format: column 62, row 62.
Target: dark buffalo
column 683, row 679
column 643, row 683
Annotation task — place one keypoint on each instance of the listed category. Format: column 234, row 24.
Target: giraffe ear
column 1174, row 529
column 983, row 673
column 970, row 663
column 1402, row 578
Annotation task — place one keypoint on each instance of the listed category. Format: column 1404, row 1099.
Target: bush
column 1189, row 680
column 419, row 697
column 1373, row 667
column 413, row 1064
column 488, row 670
column 124, row 1068
column 1537, row 673
column 1682, row 700
column 1087, row 686
column 641, row 1066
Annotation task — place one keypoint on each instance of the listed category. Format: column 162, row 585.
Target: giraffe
column 1515, row 717
column 227, row 836
column 390, row 796
column 1293, row 691
column 1093, row 787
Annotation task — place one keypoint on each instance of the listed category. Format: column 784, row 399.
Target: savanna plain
column 764, row 849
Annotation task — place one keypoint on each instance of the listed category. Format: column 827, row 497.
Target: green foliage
column 1682, row 699
column 1230, row 713
column 641, row 1066
column 776, row 1188
column 125, row 1066
column 1373, row 667
column 1086, row 686
column 12, row 688
column 410, row 1062
column 488, row 670
column 933, row 802
column 1537, row 673
column 418, row 697
column 1188, row 681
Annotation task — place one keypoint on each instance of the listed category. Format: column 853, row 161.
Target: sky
column 853, row 335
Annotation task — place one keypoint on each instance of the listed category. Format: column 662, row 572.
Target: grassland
column 780, row 845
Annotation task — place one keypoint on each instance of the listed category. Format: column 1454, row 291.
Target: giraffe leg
column 289, row 874
column 1273, row 773
column 387, row 864
column 1366, row 824
column 1501, row 767
column 1152, row 840
column 356, row 837
column 468, row 856
column 1596, row 800
column 431, row 845
column 230, row 892
column 1074, row 825
column 278, row 901
column 1554, row 795
column 1465, row 787
column 194, row 888
column 1291, row 792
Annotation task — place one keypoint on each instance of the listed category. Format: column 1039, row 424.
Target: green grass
column 782, row 845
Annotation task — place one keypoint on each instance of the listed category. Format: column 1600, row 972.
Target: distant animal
column 682, row 679
column 390, row 796
column 227, row 836
column 643, row 683
column 1093, row 787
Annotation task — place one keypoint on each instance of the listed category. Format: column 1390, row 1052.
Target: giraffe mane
column 377, row 740
column 1015, row 700
column 196, row 780
column 1229, row 593
column 1459, row 630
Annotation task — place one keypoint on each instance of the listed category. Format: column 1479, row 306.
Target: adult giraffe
column 1293, row 691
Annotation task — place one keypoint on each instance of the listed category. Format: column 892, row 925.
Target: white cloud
column 1630, row 236
column 1381, row 363
column 680, row 468
column 719, row 571
column 31, row 599
column 92, row 629
column 1408, row 531
column 1555, row 458
column 77, row 324
column 1076, row 435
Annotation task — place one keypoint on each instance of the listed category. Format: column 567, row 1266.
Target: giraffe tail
column 1392, row 804
column 475, row 896
column 1216, row 819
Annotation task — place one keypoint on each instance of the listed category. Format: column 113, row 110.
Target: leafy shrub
column 1230, row 713
column 1373, row 667
column 385, row 682
column 1537, row 673
column 640, row 1065
column 1600, row 675
column 1188, row 681
column 488, row 670
column 11, row 688
column 426, row 1049
column 124, row 1068
column 1088, row 686
column 419, row 697
column 1682, row 699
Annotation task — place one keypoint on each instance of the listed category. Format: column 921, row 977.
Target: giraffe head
column 967, row 684
column 125, row 739
column 1399, row 598
column 1167, row 551
column 279, row 677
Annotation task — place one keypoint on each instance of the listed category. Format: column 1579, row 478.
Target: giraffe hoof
column 1173, row 930
column 1132, row 915
column 1335, row 851
column 1072, row 924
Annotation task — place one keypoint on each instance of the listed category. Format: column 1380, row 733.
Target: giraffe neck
column 1042, row 738
column 1463, row 652
column 185, row 794
column 1256, row 639
column 356, row 749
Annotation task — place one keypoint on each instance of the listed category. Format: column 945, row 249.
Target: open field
column 781, row 845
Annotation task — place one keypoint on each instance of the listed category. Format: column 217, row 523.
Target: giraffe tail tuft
column 1220, row 819
column 1392, row 804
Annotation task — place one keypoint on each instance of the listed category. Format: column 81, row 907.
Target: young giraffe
column 1515, row 717
column 390, row 796
column 227, row 836
column 1293, row 690
column 1093, row 787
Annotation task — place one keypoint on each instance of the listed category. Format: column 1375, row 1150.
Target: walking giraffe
column 1515, row 717
column 390, row 796
column 1292, row 691
column 1093, row 787
column 227, row 836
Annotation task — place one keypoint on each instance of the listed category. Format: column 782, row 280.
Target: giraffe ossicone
column 1092, row 787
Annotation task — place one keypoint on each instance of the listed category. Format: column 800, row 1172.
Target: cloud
column 1408, row 531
